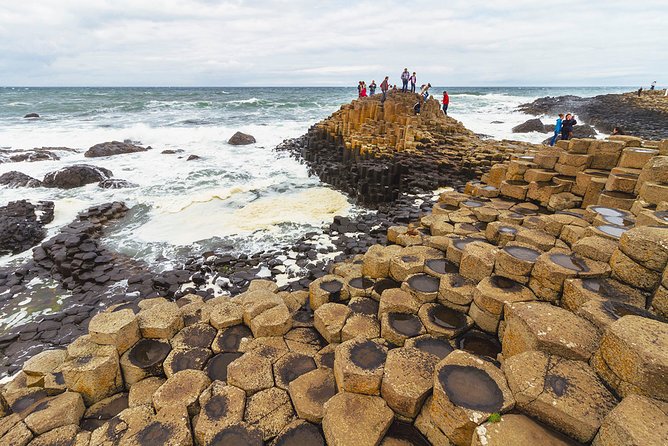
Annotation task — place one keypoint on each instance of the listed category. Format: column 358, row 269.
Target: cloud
column 300, row 42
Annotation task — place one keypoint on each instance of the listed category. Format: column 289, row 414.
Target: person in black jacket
column 567, row 127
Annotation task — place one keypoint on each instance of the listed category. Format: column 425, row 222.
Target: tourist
column 413, row 81
column 424, row 92
column 557, row 129
column 384, row 86
column 653, row 86
column 394, row 87
column 359, row 89
column 417, row 107
column 618, row 131
column 446, row 102
column 372, row 88
column 639, row 91
column 405, row 76
column 567, row 127
column 363, row 90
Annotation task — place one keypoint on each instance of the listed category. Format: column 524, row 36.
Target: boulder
column 31, row 115
column 94, row 377
column 16, row 179
column 112, row 148
column 76, row 176
column 116, row 183
column 531, row 125
column 353, row 419
column 241, row 139
column 117, row 328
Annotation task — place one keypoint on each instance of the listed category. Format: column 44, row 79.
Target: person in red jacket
column 446, row 102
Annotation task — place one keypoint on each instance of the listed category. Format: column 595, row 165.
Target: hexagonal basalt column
column 489, row 298
column 353, row 419
column 442, row 321
column 311, row 391
column 515, row 261
column 358, row 366
column 144, row 359
column 221, row 406
column 397, row 327
column 118, row 328
column 407, row 380
column 329, row 288
column 423, row 287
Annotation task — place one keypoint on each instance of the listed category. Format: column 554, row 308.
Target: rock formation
column 76, row 176
column 22, row 225
column 241, row 139
column 112, row 148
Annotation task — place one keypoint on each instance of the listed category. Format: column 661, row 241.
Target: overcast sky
column 311, row 42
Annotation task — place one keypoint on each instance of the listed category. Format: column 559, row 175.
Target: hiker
column 557, row 129
column 359, row 89
column 405, row 76
column 372, row 88
column 567, row 127
column 363, row 91
column 384, row 86
column 446, row 102
column 618, row 131
column 413, row 81
column 639, row 91
column 653, row 86
column 424, row 92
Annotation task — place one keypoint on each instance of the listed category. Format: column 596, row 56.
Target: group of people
column 406, row 78
column 563, row 128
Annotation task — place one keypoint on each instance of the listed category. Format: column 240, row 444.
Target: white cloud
column 300, row 42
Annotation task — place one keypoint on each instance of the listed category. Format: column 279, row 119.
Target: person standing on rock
column 413, row 80
column 653, row 86
column 372, row 88
column 359, row 89
column 446, row 102
column 557, row 129
column 567, row 127
column 405, row 76
column 363, row 91
column 384, row 86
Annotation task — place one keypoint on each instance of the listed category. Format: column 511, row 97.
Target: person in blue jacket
column 557, row 129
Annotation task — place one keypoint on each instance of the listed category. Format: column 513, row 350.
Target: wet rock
column 310, row 391
column 397, row 327
column 221, row 406
column 31, row 115
column 16, row 179
column 442, row 321
column 188, row 358
column 270, row 411
column 329, row 288
column 407, row 380
column 20, row 227
column 229, row 339
column 544, row 327
column 351, row 418
column 518, row 430
column 567, row 395
column 112, row 148
column 102, row 411
column 636, row 420
column 489, row 298
column 532, row 125
column 170, row 426
column 194, row 336
column 467, row 391
column 182, row 389
column 358, row 366
column 116, row 183
column 121, row 426
column 240, row 433
column 76, row 176
column 241, row 139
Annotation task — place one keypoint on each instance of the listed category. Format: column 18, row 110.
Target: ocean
column 242, row 198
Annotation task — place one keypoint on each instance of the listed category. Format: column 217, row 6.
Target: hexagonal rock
column 144, row 359
column 290, row 367
column 229, row 339
column 194, row 336
column 595, row 248
column 329, row 320
column 359, row 286
column 43, row 363
column 251, row 372
column 18, row 434
column 353, row 419
column 169, row 427
column 477, row 261
column 69, row 435
column 376, row 262
column 395, row 300
column 439, row 320
column 358, row 366
column 467, row 390
column 141, row 392
column 118, row 428
column 257, row 302
column 456, row 292
column 102, row 411
column 182, row 389
column 269, row 411
column 226, row 314
column 328, row 288
column 117, row 328
column 490, row 296
column 299, row 432
column 221, row 406
column 272, row 348
column 275, row 321
column 637, row 420
column 542, row 326
column 398, row 327
column 239, row 433
column 518, row 430
column 425, row 424
column 423, row 287
column 567, row 395
column 515, row 261
column 161, row 321
column 359, row 325
column 407, row 380
column 554, row 267
column 185, row 359
column 578, row 292
column 438, row 347
column 66, row 408
column 94, row 377
column 305, row 340
column 261, row 284
column 624, row 268
column 633, row 357
column 311, row 391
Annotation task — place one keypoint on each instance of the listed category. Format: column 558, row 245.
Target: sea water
column 243, row 198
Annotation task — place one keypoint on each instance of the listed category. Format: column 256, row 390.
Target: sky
column 332, row 43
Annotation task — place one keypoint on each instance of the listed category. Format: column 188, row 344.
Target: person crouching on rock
column 384, row 86
column 372, row 88
column 446, row 102
column 417, row 107
column 557, row 128
column 567, row 127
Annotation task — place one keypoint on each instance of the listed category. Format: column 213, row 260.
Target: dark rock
column 31, row 115
column 112, row 148
column 532, row 125
column 193, row 157
column 20, row 227
column 241, row 139
column 36, row 155
column 16, row 179
column 76, row 176
column 115, row 183
column 171, row 151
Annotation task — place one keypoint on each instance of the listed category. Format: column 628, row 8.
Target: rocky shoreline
column 644, row 116
column 541, row 284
